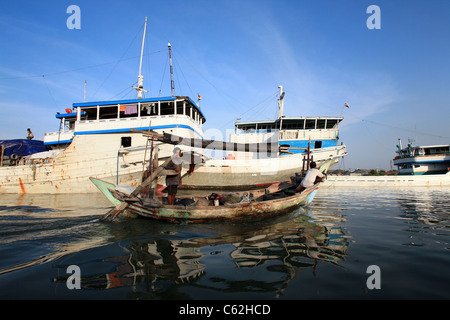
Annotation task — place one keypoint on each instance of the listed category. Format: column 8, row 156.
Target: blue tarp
column 22, row 147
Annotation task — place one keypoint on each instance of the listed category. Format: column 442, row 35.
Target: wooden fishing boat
column 254, row 204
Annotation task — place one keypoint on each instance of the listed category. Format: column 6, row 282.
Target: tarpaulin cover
column 22, row 147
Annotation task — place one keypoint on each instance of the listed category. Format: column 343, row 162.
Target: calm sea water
column 319, row 252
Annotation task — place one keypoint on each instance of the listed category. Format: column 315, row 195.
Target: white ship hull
column 423, row 165
column 247, row 173
column 432, row 180
column 85, row 157
column 420, row 166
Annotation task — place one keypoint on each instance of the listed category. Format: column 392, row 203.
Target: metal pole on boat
column 172, row 83
column 117, row 173
column 309, row 153
column 145, row 153
column 280, row 102
column 140, row 86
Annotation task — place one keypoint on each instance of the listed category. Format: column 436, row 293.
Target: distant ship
column 420, row 160
column 418, row 166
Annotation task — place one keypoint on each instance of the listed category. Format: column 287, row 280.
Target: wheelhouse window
column 310, row 123
column 128, row 111
column 331, row 123
column 149, row 109
column 189, row 111
column 321, row 124
column 167, row 108
column 89, row 113
column 180, row 107
column 297, row 124
column 108, row 112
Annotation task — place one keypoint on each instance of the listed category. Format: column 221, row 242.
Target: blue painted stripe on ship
column 304, row 144
column 423, row 173
column 57, row 142
column 422, row 161
column 140, row 128
column 69, row 115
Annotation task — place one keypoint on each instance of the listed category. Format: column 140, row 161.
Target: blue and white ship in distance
column 422, row 160
column 418, row 166
column 96, row 139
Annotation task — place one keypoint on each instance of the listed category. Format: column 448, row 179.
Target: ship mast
column 140, row 86
column 172, row 83
column 280, row 103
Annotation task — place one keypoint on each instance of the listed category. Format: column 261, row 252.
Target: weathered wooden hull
column 87, row 156
column 250, row 210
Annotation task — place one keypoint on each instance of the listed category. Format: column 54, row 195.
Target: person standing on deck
column 30, row 134
column 310, row 178
column 173, row 181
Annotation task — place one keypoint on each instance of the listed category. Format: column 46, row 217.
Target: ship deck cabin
column 293, row 133
column 120, row 115
column 123, row 109
column 299, row 123
column 411, row 151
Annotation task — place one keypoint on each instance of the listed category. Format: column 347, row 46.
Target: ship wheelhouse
column 293, row 132
column 166, row 113
column 137, row 108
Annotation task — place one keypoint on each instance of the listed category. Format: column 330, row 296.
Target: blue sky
column 235, row 54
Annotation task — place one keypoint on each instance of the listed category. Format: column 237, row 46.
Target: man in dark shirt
column 172, row 181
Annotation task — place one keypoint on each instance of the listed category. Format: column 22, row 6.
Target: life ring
column 68, row 110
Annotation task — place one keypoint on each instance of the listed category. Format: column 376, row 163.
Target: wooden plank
column 211, row 144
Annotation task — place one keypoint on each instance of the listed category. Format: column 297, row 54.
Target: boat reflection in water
column 425, row 213
column 248, row 257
